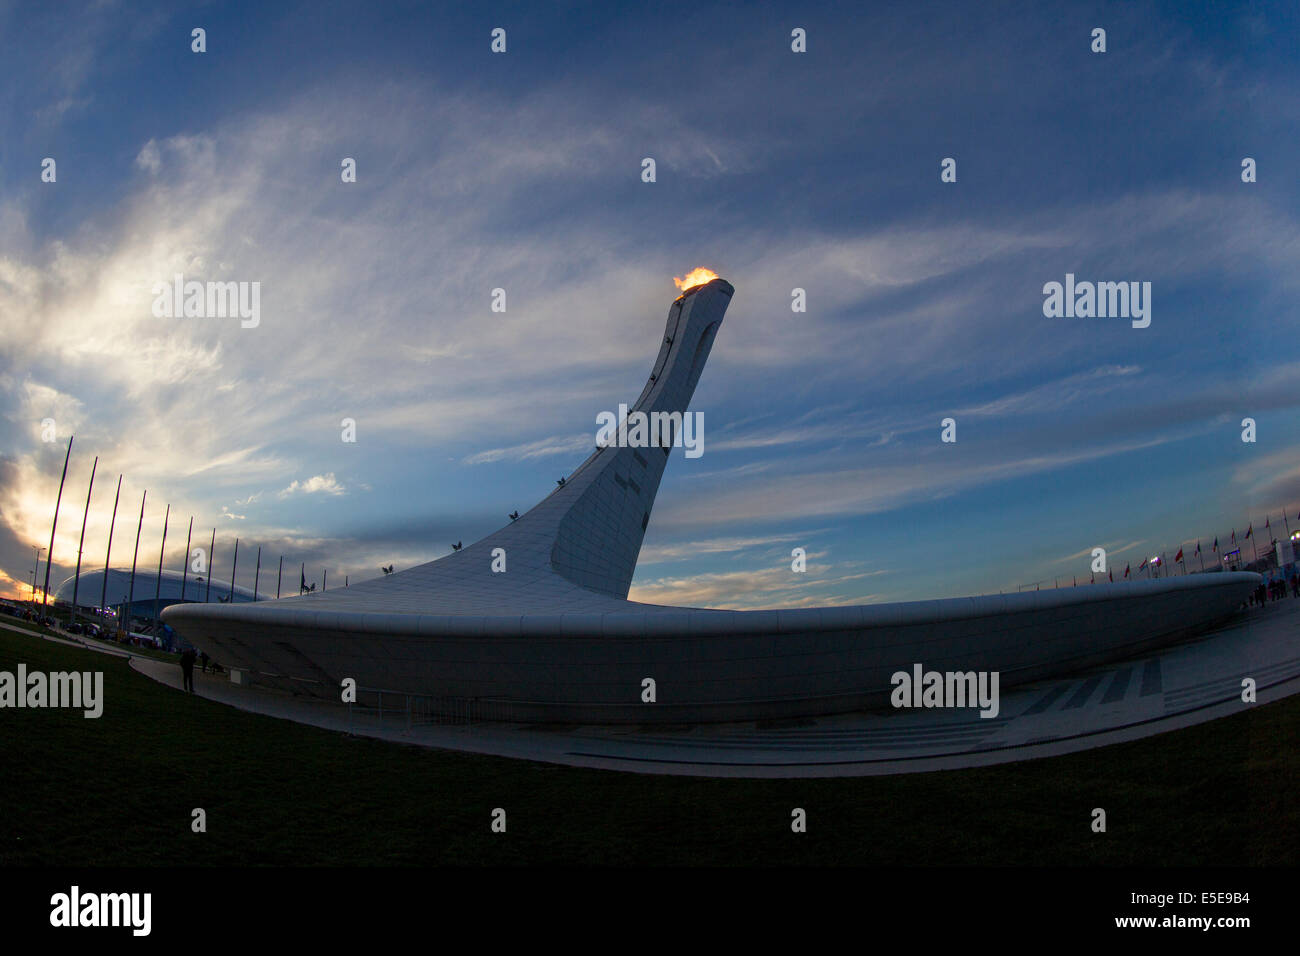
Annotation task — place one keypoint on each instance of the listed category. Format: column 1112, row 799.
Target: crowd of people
column 1276, row 584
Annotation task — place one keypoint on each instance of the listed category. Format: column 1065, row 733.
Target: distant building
column 146, row 582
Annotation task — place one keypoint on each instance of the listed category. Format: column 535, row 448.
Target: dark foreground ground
column 120, row 791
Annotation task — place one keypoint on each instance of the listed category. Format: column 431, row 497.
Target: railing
column 391, row 707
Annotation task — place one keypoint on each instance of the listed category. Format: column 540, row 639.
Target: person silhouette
column 187, row 668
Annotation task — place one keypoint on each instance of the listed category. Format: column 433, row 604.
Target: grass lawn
column 119, row 791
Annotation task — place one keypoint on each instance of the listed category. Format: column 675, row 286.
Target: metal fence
column 398, row 708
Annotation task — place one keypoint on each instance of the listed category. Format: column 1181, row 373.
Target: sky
column 522, row 170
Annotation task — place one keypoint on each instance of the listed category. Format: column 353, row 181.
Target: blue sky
column 778, row 170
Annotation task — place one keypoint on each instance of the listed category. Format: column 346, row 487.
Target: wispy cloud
column 664, row 553
column 316, row 485
column 871, row 489
column 543, row 448
column 757, row 587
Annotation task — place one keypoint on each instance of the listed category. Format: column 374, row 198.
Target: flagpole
column 130, row 596
column 103, row 592
column 76, row 577
column 212, row 554
column 258, row 572
column 49, row 559
column 158, row 587
column 279, row 574
column 185, row 564
column 35, row 571
column 233, row 564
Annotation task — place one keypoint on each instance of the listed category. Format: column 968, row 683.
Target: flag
column 1216, row 544
column 1198, row 548
column 1126, row 570
column 1266, row 524
column 1249, row 531
column 1179, row 555
column 1234, row 536
column 1111, row 575
column 1143, row 564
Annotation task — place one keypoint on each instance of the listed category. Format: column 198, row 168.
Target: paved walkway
column 72, row 640
column 1177, row 687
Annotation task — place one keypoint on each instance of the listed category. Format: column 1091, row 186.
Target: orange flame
column 697, row 276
